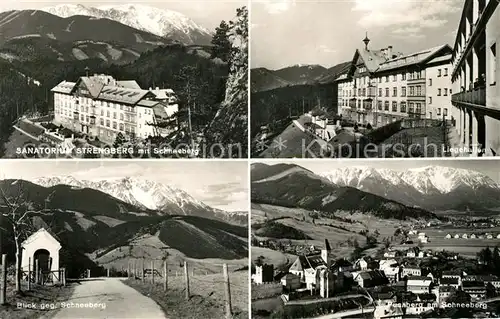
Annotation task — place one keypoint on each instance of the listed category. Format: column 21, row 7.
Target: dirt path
column 108, row 298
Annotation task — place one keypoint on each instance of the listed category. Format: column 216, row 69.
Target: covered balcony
column 474, row 97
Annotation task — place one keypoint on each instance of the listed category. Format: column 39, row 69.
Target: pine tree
column 119, row 141
column 221, row 44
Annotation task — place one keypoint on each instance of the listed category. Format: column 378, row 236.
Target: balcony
column 475, row 97
column 416, row 81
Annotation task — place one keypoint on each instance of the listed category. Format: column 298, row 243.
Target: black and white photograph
column 375, row 239
column 124, row 239
column 374, row 78
column 165, row 79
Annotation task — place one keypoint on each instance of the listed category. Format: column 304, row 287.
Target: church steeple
column 366, row 41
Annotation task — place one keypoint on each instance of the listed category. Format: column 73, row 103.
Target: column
column 475, row 65
column 475, row 11
column 468, row 75
column 460, row 124
column 467, row 129
column 475, row 129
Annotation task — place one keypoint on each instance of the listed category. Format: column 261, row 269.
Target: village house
column 444, row 292
column 290, row 281
column 264, row 273
column 448, row 236
column 418, row 284
column 457, row 236
column 412, row 252
column 411, row 271
column 423, row 238
column 366, row 263
column 342, row 265
column 473, row 236
column 423, row 303
column 43, row 246
column 391, row 269
column 464, row 236
column 476, row 289
column 391, row 254
column 450, row 282
column 370, row 278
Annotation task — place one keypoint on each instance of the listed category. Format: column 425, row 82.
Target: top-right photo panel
column 375, row 79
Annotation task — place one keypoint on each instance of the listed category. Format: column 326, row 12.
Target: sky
column 489, row 167
column 219, row 184
column 327, row 32
column 207, row 13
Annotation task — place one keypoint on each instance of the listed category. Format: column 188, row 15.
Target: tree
column 119, row 140
column 17, row 211
column 259, row 261
column 221, row 44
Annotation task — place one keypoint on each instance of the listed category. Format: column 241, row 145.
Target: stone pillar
column 468, row 74
column 475, row 11
column 460, row 124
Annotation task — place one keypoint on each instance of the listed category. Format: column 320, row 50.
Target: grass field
column 45, row 299
column 207, row 295
column 273, row 257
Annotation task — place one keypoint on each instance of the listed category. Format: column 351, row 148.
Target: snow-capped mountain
column 162, row 22
column 147, row 194
column 431, row 187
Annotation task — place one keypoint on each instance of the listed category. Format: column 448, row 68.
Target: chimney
column 389, row 51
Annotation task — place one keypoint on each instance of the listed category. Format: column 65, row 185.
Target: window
column 379, row 92
column 445, row 92
column 102, row 122
column 114, row 125
column 493, row 64
column 438, row 111
column 114, row 115
column 419, row 90
column 108, row 123
column 394, row 78
column 412, row 90
column 439, row 92
column 403, row 76
column 386, row 106
column 379, row 105
column 445, row 71
column 439, row 72
column 380, row 80
column 430, row 99
column 410, row 107
column 450, row 91
column 121, row 127
column 364, row 94
column 386, row 78
column 445, row 112
column 359, row 94
column 108, row 114
column 394, row 91
column 403, row 91
column 121, row 116
column 430, row 82
column 394, row 106
column 419, row 108
column 386, row 91
column 403, row 107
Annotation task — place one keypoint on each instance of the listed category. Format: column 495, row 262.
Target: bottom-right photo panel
column 375, row 239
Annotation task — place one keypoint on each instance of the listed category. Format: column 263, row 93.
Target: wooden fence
column 36, row 277
column 157, row 272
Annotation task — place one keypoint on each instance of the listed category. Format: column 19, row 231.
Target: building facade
column 100, row 106
column 383, row 86
column 476, row 78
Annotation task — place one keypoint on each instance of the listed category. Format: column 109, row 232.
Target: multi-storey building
column 475, row 76
column 100, row 106
column 382, row 86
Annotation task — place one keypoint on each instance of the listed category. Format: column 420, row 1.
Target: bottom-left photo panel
column 124, row 239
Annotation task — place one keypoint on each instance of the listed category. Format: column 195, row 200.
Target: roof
column 419, row 280
column 36, row 235
column 371, row 58
column 92, row 85
column 148, row 103
column 64, row 87
column 412, row 58
column 129, row 84
column 307, row 262
column 122, row 95
column 449, row 281
column 444, row 59
column 342, row 263
column 452, row 273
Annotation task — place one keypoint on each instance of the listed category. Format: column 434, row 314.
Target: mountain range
column 92, row 225
column 68, row 32
column 149, row 195
column 264, row 79
column 161, row 22
column 295, row 186
column 431, row 187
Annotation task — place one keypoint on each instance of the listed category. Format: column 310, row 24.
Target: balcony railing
column 475, row 97
column 416, row 80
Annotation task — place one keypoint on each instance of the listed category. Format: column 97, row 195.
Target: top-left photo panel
column 111, row 80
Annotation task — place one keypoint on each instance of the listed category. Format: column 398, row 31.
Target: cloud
column 227, row 196
column 405, row 15
column 326, row 49
column 277, row 6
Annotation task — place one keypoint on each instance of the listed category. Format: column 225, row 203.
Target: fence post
column 153, row 271
column 107, row 272
column 29, row 273
column 135, row 268
column 165, row 274
column 142, row 276
column 227, row 291
column 37, row 272
column 186, row 279
column 3, row 291
column 88, row 273
column 128, row 269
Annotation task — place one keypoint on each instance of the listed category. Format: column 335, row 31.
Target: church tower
column 326, row 254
